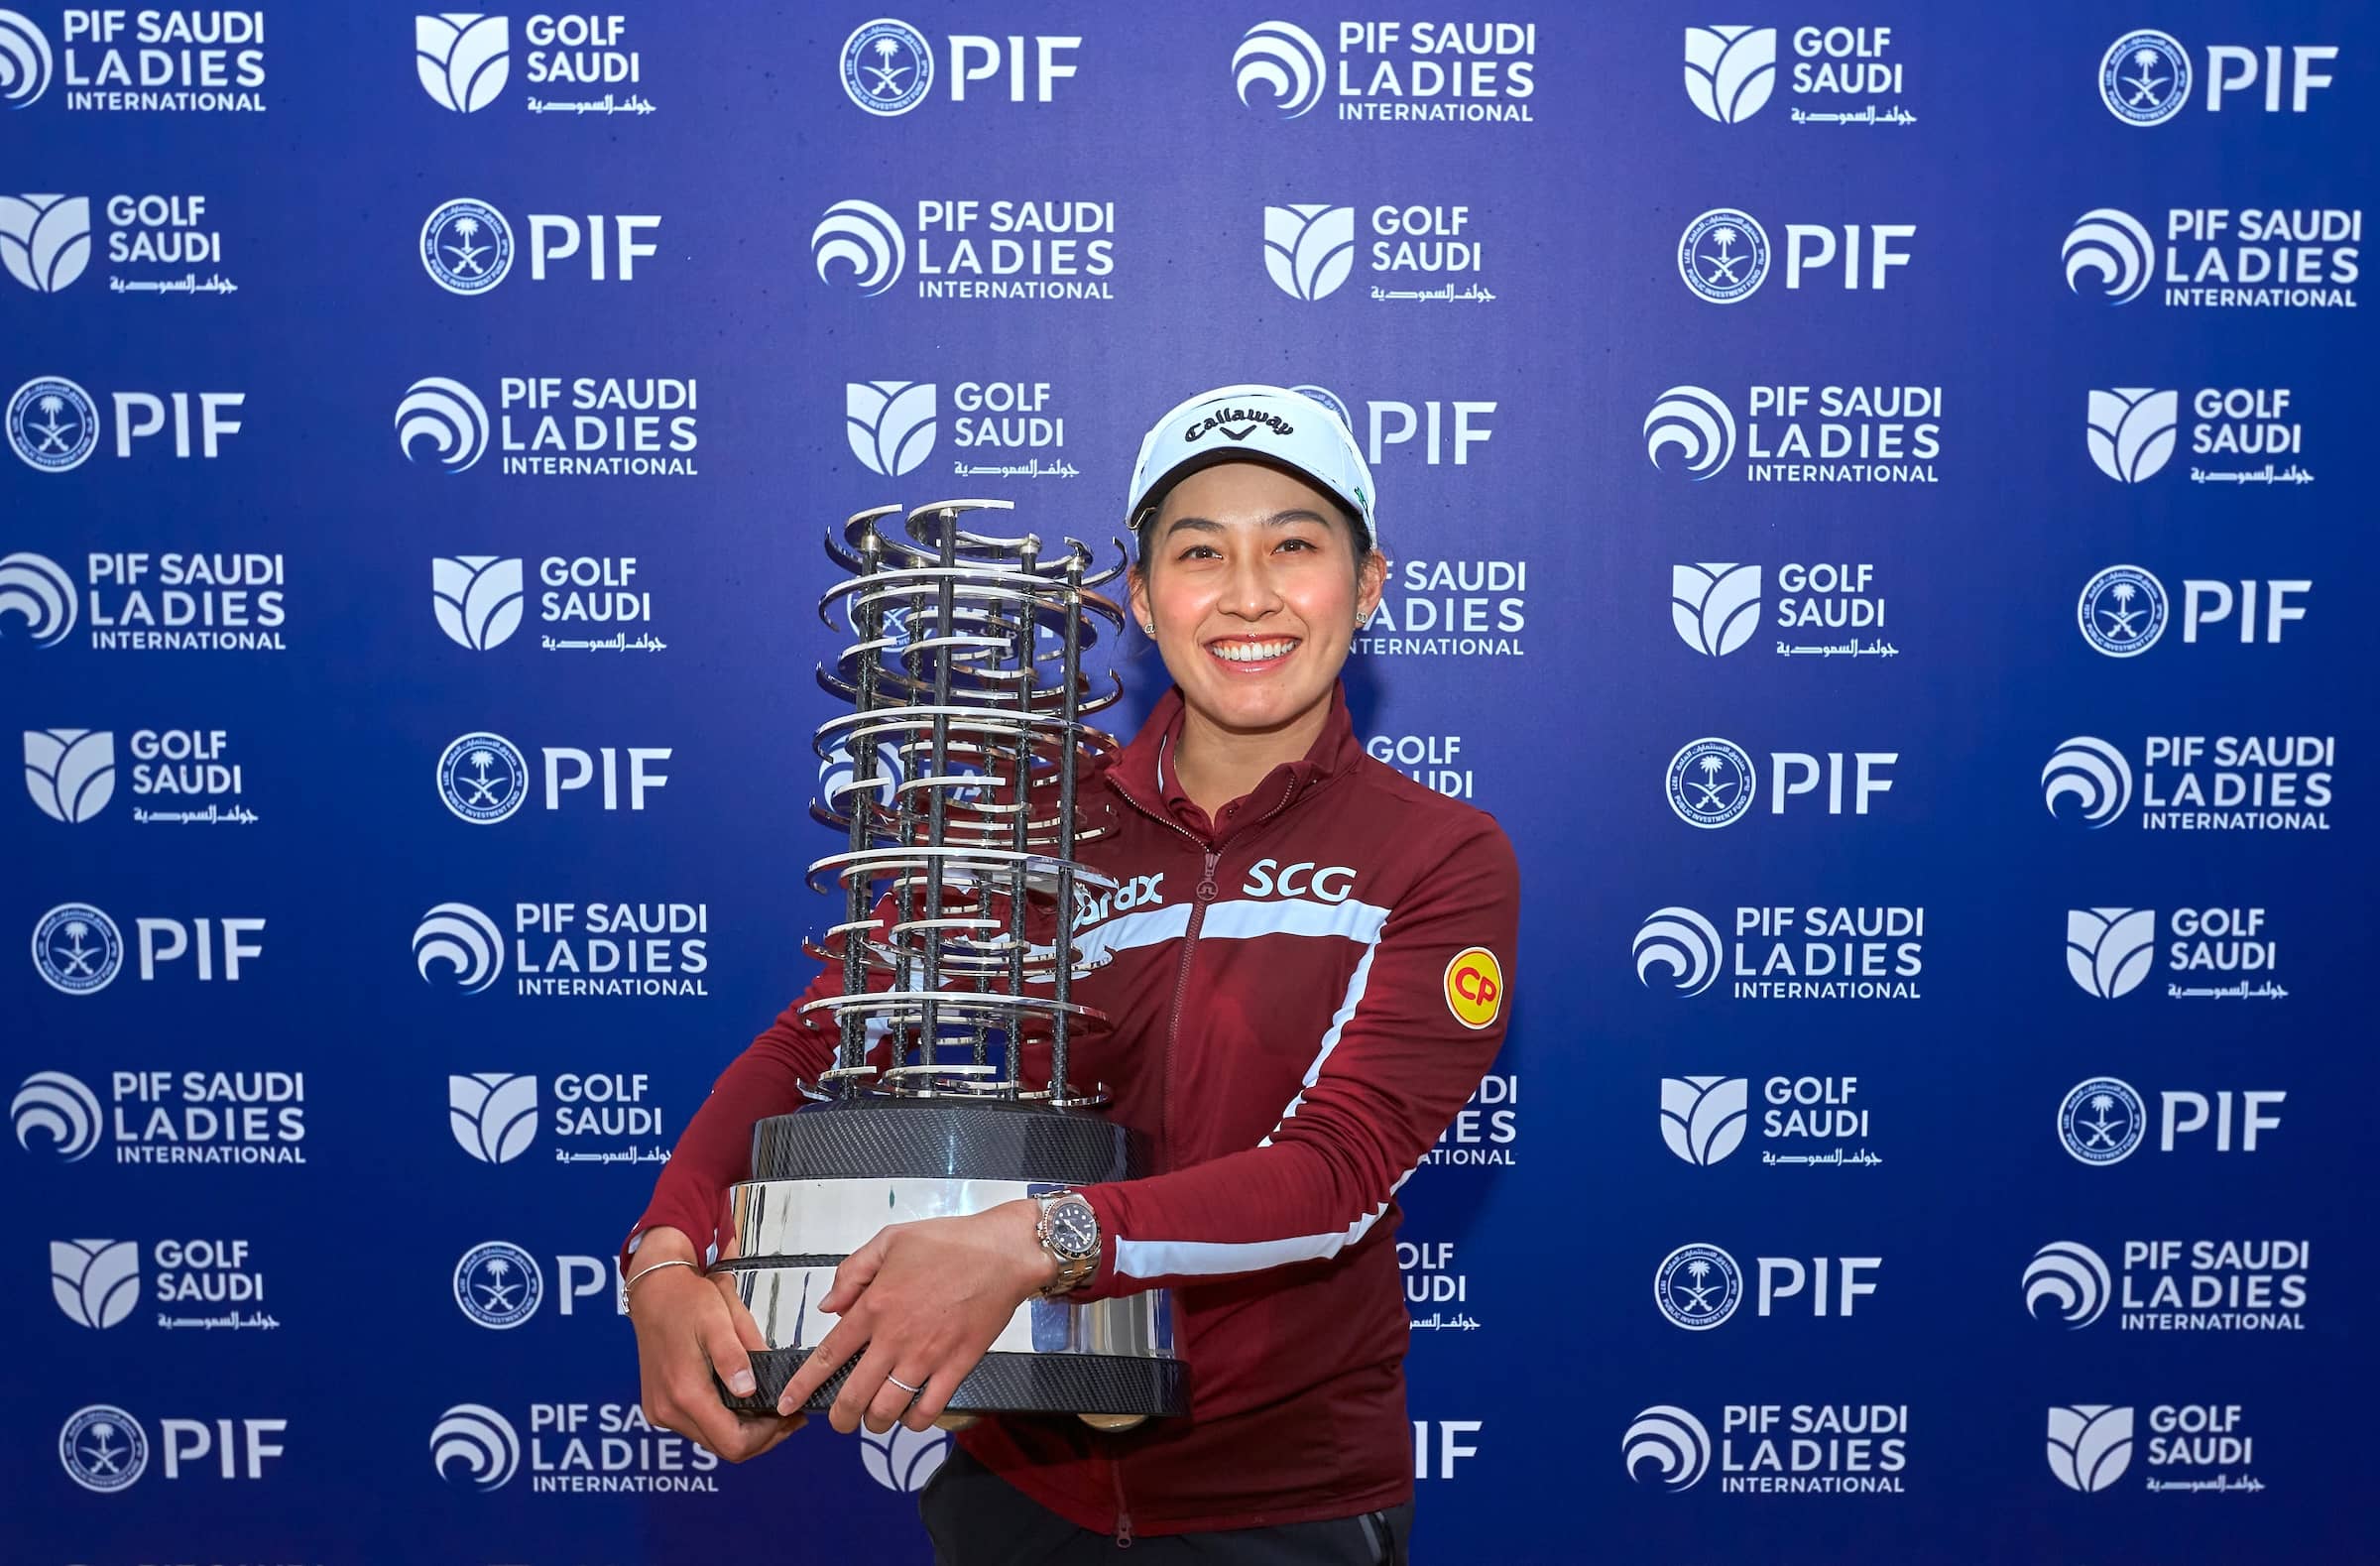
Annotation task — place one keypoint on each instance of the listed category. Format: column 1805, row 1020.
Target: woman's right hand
column 688, row 1325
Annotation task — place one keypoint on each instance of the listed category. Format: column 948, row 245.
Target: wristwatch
column 1069, row 1232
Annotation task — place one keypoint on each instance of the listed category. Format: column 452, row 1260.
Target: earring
column 1150, row 626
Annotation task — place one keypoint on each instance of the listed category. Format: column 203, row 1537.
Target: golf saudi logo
column 462, row 59
column 2144, row 78
column 483, row 777
column 477, row 598
column 466, row 246
column 889, row 424
column 1703, row 1117
column 1723, row 256
column 2122, row 610
column 2102, row 1121
column 96, row 1283
column 1309, row 250
column 2108, row 951
column 2130, row 431
column 902, row 1458
column 45, row 240
column 888, row 66
column 493, row 1114
column 70, row 773
column 1714, row 607
column 2090, row 1445
column 1282, row 59
column 1730, row 70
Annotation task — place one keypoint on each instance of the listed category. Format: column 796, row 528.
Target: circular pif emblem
column 2144, row 78
column 1723, row 254
column 466, row 246
column 53, row 424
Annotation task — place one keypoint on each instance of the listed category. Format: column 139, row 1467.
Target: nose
column 1250, row 593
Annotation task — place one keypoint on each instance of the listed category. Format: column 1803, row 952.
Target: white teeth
column 1250, row 652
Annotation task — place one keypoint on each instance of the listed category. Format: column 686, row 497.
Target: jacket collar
column 1145, row 774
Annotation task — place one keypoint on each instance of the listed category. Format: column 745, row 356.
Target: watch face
column 1073, row 1228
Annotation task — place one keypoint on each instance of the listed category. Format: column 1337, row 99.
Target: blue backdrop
column 1873, row 514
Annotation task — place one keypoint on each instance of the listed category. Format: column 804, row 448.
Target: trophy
column 968, row 700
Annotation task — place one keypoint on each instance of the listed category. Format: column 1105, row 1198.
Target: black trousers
column 976, row 1518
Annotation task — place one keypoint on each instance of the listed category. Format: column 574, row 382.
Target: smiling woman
column 1308, row 978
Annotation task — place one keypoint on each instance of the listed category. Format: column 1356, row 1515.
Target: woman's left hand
column 920, row 1303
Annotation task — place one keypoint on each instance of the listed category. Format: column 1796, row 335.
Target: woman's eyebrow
column 1279, row 519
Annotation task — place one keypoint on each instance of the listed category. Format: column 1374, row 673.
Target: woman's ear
column 1136, row 595
column 1371, row 581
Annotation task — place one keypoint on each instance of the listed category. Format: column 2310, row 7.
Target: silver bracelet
column 631, row 1284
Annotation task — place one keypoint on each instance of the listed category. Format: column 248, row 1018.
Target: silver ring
column 905, row 1387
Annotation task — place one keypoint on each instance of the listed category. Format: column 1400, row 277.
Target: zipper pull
column 1206, row 880
column 1124, row 1530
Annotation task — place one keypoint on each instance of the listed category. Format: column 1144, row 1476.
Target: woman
column 1307, row 988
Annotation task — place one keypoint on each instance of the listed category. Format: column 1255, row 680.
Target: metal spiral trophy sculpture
column 969, row 695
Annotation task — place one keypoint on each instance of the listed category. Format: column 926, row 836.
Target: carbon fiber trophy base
column 1052, row 1384
column 885, row 1138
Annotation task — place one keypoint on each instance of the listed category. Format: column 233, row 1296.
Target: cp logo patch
column 1475, row 987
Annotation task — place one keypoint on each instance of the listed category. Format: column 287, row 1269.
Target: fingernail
column 742, row 1383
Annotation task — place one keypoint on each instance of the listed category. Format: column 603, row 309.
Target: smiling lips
column 1248, row 650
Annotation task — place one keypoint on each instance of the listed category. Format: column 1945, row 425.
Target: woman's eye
column 1297, row 543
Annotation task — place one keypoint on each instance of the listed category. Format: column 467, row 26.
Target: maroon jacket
column 1301, row 995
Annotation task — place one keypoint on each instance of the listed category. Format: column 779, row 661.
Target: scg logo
column 1268, row 878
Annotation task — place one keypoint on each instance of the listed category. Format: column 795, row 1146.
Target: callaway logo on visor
column 1246, row 418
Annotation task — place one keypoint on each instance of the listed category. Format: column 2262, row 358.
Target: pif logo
column 1475, row 987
